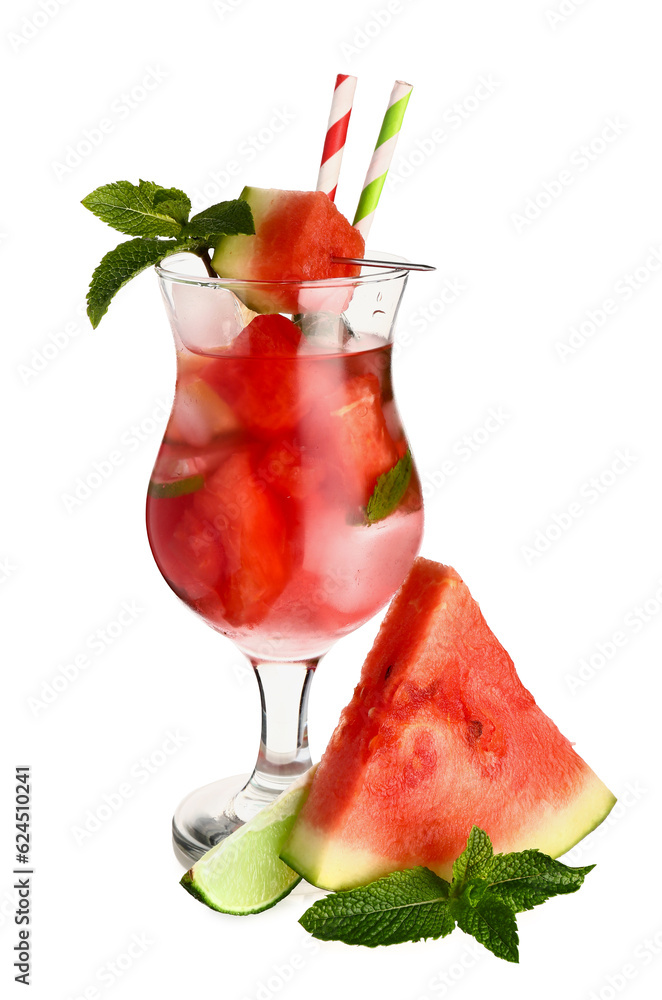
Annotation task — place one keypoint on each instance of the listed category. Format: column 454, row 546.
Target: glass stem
column 284, row 753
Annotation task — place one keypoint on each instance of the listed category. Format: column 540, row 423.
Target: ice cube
column 323, row 331
column 325, row 298
column 358, row 567
column 208, row 319
column 199, row 415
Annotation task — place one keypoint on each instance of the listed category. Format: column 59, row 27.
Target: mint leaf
column 403, row 906
column 491, row 921
column 474, row 862
column 528, row 878
column 228, row 218
column 174, row 203
column 389, row 490
column 176, row 487
column 131, row 208
column 474, row 890
column 123, row 263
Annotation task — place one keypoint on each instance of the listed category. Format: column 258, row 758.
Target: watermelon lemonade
column 284, row 507
column 259, row 511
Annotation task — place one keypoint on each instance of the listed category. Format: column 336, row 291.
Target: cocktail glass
column 266, row 512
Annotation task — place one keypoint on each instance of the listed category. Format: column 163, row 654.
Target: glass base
column 205, row 817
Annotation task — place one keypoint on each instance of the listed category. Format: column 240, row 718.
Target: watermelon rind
column 327, row 863
column 233, row 255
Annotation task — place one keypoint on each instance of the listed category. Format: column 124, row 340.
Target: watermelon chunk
column 199, row 560
column 259, row 378
column 292, row 469
column 268, row 337
column 440, row 735
column 244, row 525
column 296, row 234
column 356, row 425
column 183, row 548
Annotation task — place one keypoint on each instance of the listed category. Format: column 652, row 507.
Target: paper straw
column 382, row 156
column 336, row 134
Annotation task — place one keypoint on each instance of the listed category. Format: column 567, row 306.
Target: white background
column 218, row 77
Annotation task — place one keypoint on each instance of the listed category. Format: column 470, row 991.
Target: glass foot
column 205, row 817
column 201, row 821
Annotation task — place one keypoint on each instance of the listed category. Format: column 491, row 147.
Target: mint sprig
column 486, row 892
column 159, row 219
column 389, row 490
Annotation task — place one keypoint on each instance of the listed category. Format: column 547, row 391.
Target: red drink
column 257, row 507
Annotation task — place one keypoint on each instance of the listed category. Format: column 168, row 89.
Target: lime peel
column 243, row 873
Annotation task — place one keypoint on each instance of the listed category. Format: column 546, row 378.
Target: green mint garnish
column 159, row 218
column 176, row 487
column 389, row 490
column 486, row 892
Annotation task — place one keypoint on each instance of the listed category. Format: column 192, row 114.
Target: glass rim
column 371, row 275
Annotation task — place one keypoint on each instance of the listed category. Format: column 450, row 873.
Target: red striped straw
column 336, row 133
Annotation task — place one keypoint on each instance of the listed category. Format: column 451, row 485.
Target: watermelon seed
column 475, row 729
column 388, row 672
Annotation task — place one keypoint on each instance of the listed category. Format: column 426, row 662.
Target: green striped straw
column 382, row 156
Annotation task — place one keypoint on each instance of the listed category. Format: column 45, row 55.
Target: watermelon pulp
column 440, row 735
column 296, row 234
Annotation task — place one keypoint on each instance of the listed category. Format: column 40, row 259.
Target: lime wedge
column 243, row 873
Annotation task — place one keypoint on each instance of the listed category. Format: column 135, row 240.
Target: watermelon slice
column 296, row 234
column 440, row 735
